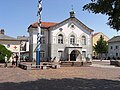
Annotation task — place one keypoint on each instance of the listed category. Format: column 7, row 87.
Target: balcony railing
column 73, row 45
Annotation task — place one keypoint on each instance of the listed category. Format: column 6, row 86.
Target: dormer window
column 60, row 29
column 8, row 45
column 72, row 26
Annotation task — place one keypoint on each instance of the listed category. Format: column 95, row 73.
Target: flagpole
column 38, row 34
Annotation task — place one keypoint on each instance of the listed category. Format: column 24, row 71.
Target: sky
column 17, row 15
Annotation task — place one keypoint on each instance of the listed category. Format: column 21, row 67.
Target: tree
column 3, row 52
column 111, row 8
column 101, row 46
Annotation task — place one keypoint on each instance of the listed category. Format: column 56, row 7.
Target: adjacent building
column 69, row 40
column 114, row 47
column 10, row 43
column 24, row 47
column 95, row 38
column 19, row 45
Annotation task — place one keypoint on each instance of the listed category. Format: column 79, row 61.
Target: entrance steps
column 74, row 63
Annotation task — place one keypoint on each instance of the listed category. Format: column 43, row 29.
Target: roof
column 43, row 24
column 5, row 37
column 53, row 24
column 78, row 21
column 24, row 38
column 95, row 34
column 115, row 39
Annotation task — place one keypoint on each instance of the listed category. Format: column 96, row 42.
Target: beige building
column 96, row 37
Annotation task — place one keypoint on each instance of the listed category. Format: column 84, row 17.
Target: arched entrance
column 74, row 55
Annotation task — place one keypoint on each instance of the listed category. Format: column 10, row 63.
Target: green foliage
column 101, row 46
column 111, row 8
column 3, row 52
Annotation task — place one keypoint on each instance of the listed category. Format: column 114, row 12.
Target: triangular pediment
column 72, row 21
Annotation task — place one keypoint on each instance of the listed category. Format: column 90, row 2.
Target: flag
column 39, row 7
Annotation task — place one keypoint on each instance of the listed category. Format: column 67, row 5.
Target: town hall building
column 69, row 40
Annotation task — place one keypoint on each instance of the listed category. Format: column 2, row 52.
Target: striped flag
column 39, row 1
column 39, row 7
column 39, row 33
column 39, row 23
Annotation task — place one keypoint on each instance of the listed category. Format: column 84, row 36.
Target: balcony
column 73, row 45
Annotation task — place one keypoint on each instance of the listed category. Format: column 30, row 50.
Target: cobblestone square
column 65, row 78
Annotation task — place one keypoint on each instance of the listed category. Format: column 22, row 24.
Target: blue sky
column 17, row 15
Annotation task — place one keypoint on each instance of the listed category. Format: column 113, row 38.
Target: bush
column 3, row 52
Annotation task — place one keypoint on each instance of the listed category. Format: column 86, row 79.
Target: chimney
column 2, row 31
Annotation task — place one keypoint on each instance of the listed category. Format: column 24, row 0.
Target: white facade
column 10, row 43
column 114, row 47
column 69, row 40
column 16, row 46
column 24, row 47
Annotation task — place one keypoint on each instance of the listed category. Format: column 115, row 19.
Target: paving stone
column 64, row 78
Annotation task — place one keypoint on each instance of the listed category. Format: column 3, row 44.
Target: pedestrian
column 6, row 61
column 13, row 63
column 16, row 59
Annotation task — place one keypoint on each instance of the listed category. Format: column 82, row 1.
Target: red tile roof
column 95, row 34
column 44, row 24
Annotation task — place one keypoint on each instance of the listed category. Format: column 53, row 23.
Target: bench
column 41, row 66
column 44, row 66
column 23, row 66
column 55, row 66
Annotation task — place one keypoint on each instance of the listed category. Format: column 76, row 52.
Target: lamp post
column 38, row 34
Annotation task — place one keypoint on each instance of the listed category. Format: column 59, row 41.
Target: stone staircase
column 74, row 63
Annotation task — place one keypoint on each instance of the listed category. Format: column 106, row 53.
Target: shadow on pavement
column 63, row 84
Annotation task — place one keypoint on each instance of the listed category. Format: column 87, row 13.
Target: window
column 23, row 46
column 8, row 45
column 111, row 47
column 83, row 40
column 42, row 40
column 42, row 32
column 60, row 39
column 60, row 29
column 72, row 39
column 116, row 54
column 116, row 47
column 72, row 26
column 42, row 54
